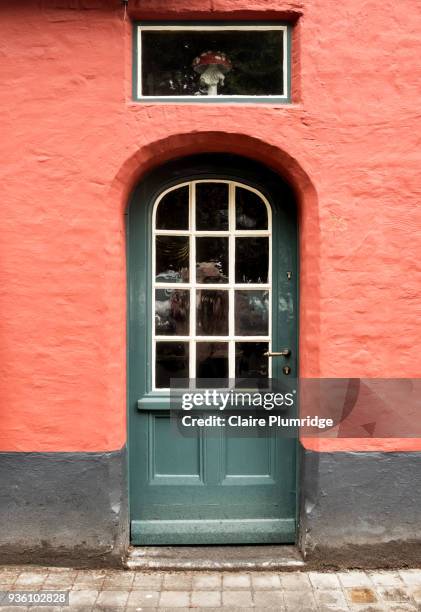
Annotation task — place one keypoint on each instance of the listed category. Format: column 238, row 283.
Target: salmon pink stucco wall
column 74, row 144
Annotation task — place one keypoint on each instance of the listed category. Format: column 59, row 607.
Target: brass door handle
column 284, row 353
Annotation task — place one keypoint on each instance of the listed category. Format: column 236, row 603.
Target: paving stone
column 354, row 579
column 206, row 599
column 402, row 607
column 118, row 581
column 30, row 579
column 112, row 599
column 262, row 581
column 85, row 579
column 59, row 582
column 371, row 608
column 108, row 608
column 292, row 581
column 299, row 602
column 147, row 581
column 321, row 580
column 174, row 599
column 411, row 577
column 394, row 594
column 328, row 608
column 331, row 597
column 207, row 581
column 239, row 599
column 8, row 575
column 42, row 609
column 236, row 581
column 269, row 599
column 177, row 582
column 416, row 594
column 360, row 595
column 386, row 578
column 82, row 598
column 143, row 599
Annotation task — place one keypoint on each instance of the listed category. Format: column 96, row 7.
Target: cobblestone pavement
column 284, row 591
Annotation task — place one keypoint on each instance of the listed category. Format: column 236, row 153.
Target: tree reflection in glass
column 212, row 260
column 212, row 312
column 250, row 361
column 251, row 260
column 172, row 312
column 172, row 259
column 251, row 313
column 212, row 360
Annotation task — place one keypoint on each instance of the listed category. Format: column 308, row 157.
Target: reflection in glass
column 250, row 361
column 172, row 259
column 250, row 210
column 212, row 260
column 251, row 313
column 212, row 360
column 256, row 59
column 211, row 206
column 172, row 312
column 173, row 210
column 172, row 361
column 251, row 260
column 212, row 312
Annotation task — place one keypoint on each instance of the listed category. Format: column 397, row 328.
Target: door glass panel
column 212, row 260
column 251, row 260
column 250, row 210
column 172, row 259
column 220, row 236
column 250, row 361
column 212, row 360
column 211, row 206
column 251, row 313
column 172, row 308
column 173, row 210
column 212, row 313
column 172, row 361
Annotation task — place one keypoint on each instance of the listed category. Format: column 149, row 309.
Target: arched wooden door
column 212, row 275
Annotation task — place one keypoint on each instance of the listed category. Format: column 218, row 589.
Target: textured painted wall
column 361, row 509
column 74, row 144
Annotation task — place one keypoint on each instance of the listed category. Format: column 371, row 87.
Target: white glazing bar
column 231, row 279
column 192, row 277
column 212, row 338
column 222, row 286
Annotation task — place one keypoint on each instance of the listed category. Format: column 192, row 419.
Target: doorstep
column 228, row 558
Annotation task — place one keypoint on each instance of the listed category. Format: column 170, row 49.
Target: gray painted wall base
column 357, row 509
column 63, row 508
column 361, row 509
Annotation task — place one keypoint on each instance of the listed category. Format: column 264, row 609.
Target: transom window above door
column 211, row 282
column 212, row 62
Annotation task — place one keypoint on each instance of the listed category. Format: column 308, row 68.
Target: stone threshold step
column 216, row 558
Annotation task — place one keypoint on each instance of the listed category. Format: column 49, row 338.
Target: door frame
column 203, row 166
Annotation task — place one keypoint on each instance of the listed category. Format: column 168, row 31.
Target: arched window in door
column 211, row 282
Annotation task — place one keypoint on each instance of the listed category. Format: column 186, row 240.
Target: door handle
column 284, row 353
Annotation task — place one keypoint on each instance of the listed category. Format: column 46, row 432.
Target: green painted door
column 212, row 276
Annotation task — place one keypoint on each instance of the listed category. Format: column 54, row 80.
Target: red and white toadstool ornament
column 212, row 67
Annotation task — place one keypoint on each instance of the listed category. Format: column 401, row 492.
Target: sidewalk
column 115, row 590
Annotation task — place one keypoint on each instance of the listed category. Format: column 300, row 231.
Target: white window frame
column 286, row 64
column 193, row 285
